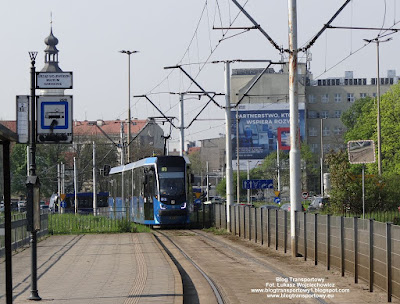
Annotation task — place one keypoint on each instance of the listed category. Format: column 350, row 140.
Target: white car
column 22, row 206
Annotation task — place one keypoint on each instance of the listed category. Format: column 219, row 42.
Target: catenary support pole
column 94, row 181
column 295, row 182
column 122, row 163
column 322, row 158
column 208, row 183
column 378, row 106
column 229, row 174
column 248, row 177
column 62, row 184
column 278, row 166
column 182, row 127
column 237, row 158
column 58, row 186
column 76, row 186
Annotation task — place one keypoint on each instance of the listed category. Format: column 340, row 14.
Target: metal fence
column 365, row 249
column 19, row 235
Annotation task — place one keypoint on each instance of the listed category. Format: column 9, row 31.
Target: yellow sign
column 197, row 194
column 63, row 196
column 277, row 193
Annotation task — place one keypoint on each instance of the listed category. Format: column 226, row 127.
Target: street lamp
column 129, row 98
column 378, row 101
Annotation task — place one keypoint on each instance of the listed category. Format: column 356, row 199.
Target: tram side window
column 117, row 185
column 133, row 182
column 151, row 183
column 127, row 183
column 136, row 182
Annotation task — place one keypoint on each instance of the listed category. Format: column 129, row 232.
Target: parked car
column 22, row 206
column 44, row 206
column 270, row 207
column 243, row 204
column 318, row 203
column 286, row 207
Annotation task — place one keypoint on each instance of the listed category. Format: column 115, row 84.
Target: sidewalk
column 107, row 268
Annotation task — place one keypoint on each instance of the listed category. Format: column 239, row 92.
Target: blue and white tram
column 153, row 191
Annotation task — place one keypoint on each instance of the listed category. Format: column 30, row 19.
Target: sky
column 171, row 32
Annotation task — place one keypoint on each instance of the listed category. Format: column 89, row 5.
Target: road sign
column 54, row 119
column 23, row 119
column 277, row 200
column 361, row 151
column 258, row 184
column 304, row 195
column 63, row 196
column 48, row 80
column 277, row 193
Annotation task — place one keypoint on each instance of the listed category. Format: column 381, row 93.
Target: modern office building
column 328, row 99
column 323, row 100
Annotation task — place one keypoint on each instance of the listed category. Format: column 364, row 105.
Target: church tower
column 51, row 62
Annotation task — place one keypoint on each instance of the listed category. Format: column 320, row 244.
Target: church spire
column 51, row 53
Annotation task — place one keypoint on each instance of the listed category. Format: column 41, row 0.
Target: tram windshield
column 172, row 182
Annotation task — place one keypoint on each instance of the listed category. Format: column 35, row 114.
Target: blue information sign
column 258, row 184
column 277, row 200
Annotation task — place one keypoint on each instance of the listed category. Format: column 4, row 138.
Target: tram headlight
column 162, row 206
column 183, row 206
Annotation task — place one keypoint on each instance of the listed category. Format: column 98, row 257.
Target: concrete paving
column 102, row 268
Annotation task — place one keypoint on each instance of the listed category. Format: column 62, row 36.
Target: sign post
column 361, row 152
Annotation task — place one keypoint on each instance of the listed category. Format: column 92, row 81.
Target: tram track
column 257, row 261
column 190, row 291
column 234, row 266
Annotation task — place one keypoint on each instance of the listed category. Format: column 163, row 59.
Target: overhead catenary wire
column 314, row 39
column 385, row 30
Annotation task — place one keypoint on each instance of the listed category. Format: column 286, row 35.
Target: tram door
column 148, row 194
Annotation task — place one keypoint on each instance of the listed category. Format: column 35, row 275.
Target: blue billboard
column 261, row 126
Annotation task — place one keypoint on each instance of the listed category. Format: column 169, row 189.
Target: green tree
column 106, row 154
column 267, row 169
column 47, row 158
column 361, row 122
column 18, row 170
